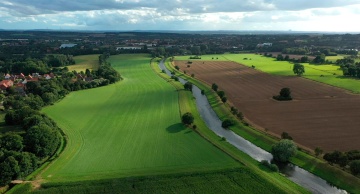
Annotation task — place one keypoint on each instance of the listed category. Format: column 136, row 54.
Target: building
column 4, row 84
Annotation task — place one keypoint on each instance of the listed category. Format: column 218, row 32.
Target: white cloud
column 305, row 15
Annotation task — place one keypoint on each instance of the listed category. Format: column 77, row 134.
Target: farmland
column 309, row 119
column 128, row 128
column 328, row 74
column 228, row 181
column 84, row 62
column 111, row 149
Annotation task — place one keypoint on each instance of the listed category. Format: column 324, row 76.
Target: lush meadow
column 129, row 128
column 145, row 143
column 239, row 180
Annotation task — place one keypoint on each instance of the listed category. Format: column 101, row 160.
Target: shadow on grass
column 176, row 128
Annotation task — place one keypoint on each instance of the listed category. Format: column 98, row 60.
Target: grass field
column 328, row 74
column 128, row 128
column 334, row 58
column 228, row 181
column 84, row 62
column 253, row 178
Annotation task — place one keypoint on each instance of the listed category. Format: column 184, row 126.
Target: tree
column 221, row 94
column 286, row 58
column 214, row 87
column 283, row 150
column 227, row 123
column 27, row 163
column 195, row 50
column 285, row 135
column 187, row 118
column 32, row 121
column 318, row 151
column 304, row 59
column 319, row 59
column 298, row 69
column 12, row 141
column 355, row 167
column 224, row 99
column 9, row 170
column 280, row 57
column 188, row 86
column 284, row 94
column 41, row 140
column 336, row 157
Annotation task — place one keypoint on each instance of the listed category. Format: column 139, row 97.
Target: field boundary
column 302, row 159
column 215, row 139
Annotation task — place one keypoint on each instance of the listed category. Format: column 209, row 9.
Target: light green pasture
column 129, row 128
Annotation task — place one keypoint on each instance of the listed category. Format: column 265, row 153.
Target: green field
column 228, row 181
column 334, row 58
column 328, row 74
column 184, row 161
column 84, row 62
column 127, row 129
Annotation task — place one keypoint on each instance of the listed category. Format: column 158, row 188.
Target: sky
column 195, row 15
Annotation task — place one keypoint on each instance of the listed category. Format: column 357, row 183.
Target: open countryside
column 100, row 117
column 165, row 153
column 130, row 128
column 307, row 118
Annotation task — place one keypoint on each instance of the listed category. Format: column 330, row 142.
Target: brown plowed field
column 319, row 116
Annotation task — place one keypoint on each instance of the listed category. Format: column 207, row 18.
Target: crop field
column 319, row 116
column 238, row 180
column 84, row 62
column 328, row 74
column 131, row 128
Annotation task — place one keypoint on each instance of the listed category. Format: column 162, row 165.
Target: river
column 298, row 175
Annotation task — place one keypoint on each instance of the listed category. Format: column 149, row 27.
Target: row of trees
column 343, row 159
column 21, row 153
column 319, row 59
column 42, row 64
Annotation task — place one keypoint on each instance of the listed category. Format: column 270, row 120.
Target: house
column 6, row 84
column 47, row 76
column 7, row 76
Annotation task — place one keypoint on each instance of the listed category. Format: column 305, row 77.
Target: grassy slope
column 84, row 62
column 128, row 128
column 240, row 180
column 319, row 167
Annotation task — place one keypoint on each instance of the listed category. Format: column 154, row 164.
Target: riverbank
column 312, row 164
column 260, row 170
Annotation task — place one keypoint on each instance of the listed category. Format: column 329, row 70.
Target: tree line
column 21, row 153
column 343, row 159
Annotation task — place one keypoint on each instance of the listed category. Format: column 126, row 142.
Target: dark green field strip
column 239, row 180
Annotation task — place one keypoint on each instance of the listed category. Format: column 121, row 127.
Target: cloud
column 178, row 14
column 36, row 7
